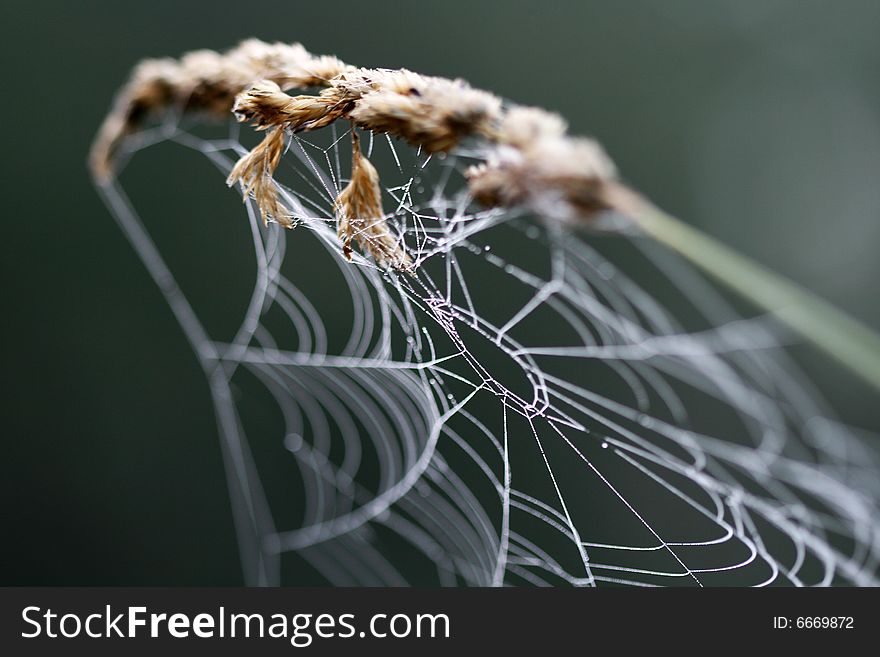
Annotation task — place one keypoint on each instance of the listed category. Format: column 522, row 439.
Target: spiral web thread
column 518, row 411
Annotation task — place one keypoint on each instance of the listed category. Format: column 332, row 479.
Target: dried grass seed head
column 529, row 157
column 360, row 217
column 254, row 172
column 203, row 81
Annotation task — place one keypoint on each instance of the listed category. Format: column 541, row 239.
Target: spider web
column 535, row 405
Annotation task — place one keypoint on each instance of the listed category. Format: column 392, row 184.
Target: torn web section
column 534, row 405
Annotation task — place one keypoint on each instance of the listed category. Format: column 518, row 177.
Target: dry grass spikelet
column 265, row 104
column 523, row 126
column 429, row 112
column 529, row 157
column 255, row 170
column 359, row 215
column 534, row 162
column 290, row 65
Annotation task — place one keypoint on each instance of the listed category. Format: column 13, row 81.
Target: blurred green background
column 757, row 120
